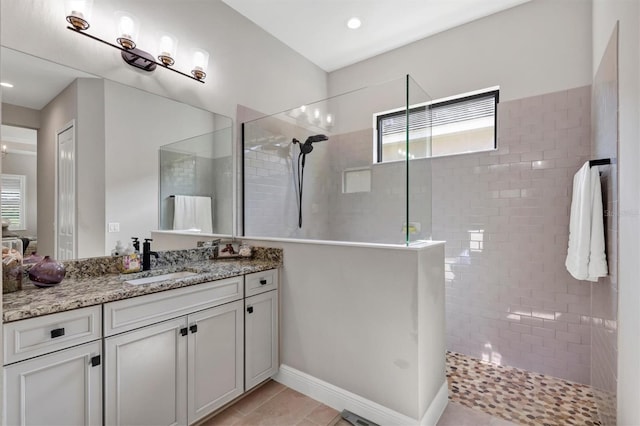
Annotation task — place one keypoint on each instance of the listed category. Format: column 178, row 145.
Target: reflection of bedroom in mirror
column 19, row 190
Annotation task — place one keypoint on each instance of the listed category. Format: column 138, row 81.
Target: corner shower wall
column 384, row 197
column 505, row 218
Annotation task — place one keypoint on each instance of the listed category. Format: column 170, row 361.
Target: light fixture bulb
column 79, row 13
column 354, row 23
column 316, row 113
column 127, row 29
column 6, row 84
column 168, row 48
column 303, row 108
column 200, row 60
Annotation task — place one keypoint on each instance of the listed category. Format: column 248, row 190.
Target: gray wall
column 541, row 46
column 20, row 116
column 90, row 166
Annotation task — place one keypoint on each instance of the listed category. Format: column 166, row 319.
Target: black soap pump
column 136, row 244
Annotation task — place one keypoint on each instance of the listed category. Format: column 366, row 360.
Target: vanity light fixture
column 3, row 151
column 128, row 29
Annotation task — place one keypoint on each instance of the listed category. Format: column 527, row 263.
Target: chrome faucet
column 147, row 253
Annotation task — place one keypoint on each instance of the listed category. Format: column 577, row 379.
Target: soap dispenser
column 130, row 260
column 118, row 250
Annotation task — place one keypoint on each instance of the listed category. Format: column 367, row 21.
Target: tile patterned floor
column 517, row 395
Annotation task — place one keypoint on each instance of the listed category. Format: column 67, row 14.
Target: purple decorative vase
column 47, row 272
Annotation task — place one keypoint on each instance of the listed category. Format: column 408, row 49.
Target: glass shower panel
column 418, row 153
column 201, row 166
column 312, row 172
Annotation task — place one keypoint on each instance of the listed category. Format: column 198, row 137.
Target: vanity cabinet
column 176, row 371
column 170, row 358
column 54, row 370
column 261, row 327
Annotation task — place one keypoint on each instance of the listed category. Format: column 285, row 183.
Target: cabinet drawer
column 37, row 336
column 259, row 282
column 129, row 314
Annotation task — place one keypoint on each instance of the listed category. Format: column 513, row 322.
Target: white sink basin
column 163, row 277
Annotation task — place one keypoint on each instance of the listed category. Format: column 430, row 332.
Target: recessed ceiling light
column 5, row 84
column 354, row 23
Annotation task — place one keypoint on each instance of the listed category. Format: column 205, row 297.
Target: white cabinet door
column 62, row 388
column 215, row 358
column 261, row 338
column 146, row 377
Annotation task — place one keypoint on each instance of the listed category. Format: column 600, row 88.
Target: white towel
column 192, row 213
column 586, row 259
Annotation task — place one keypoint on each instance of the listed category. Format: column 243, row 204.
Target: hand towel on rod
column 192, row 213
column 586, row 258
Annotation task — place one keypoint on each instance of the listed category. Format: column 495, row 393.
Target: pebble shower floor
column 517, row 395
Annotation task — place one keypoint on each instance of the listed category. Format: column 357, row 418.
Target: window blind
column 448, row 112
column 13, row 200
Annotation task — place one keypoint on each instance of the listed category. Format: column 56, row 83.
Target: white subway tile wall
column 505, row 217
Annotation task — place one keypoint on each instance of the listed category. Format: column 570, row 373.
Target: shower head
column 316, row 138
column 311, row 139
column 306, row 147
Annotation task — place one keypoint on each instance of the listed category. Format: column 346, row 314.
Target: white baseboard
column 437, row 406
column 341, row 399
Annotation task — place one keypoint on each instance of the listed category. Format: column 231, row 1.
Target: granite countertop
column 94, row 281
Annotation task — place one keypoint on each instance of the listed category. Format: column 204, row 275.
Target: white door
column 62, row 388
column 66, row 194
column 146, row 377
column 261, row 338
column 215, row 358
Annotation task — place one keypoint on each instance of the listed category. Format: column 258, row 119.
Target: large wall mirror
column 90, row 151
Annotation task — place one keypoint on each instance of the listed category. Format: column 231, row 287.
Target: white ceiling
column 317, row 28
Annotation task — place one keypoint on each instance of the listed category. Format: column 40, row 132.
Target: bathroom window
column 13, row 200
column 461, row 124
